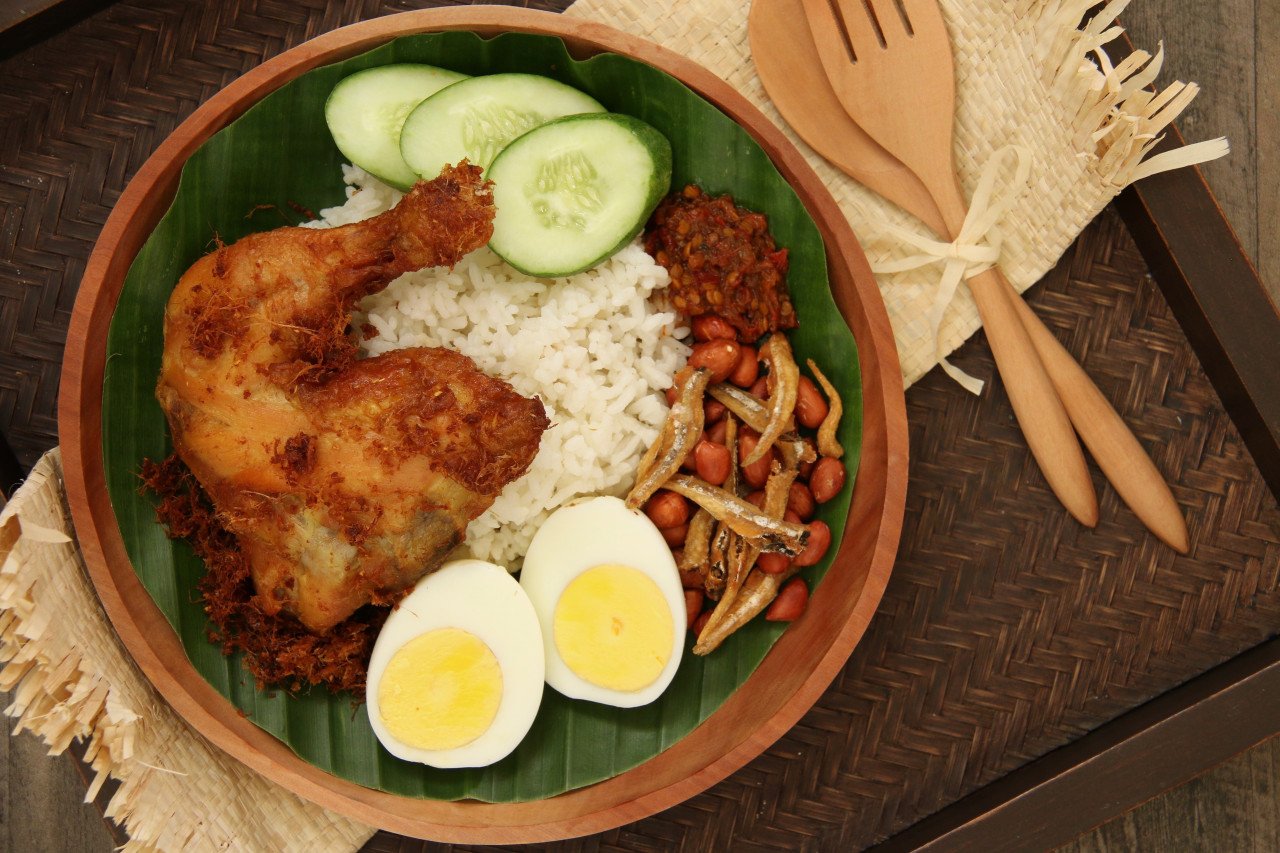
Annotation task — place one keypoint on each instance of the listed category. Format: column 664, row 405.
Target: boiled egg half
column 607, row 592
column 456, row 675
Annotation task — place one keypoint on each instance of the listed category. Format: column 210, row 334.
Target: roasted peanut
column 790, row 602
column 712, row 462
column 827, row 479
column 716, row 432
column 757, row 473
column 674, row 536
column 709, row 327
column 692, row 606
column 757, row 498
column 747, row 370
column 773, row 564
column 800, row 501
column 719, row 357
column 760, row 388
column 811, row 409
column 690, row 579
column 712, row 411
column 667, row 509
column 816, row 548
column 790, row 515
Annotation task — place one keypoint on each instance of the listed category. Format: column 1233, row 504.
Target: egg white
column 582, row 535
column 483, row 599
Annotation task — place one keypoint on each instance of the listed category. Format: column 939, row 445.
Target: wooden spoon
column 784, row 53
column 786, row 59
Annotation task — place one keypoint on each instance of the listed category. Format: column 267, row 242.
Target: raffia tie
column 976, row 249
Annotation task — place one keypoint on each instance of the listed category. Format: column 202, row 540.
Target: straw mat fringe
column 72, row 680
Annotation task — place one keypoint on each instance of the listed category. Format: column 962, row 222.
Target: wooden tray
column 1005, row 695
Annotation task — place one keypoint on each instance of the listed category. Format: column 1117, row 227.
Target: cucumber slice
column 476, row 118
column 574, row 191
column 366, row 111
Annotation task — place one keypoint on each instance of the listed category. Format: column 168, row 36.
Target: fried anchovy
column 784, row 381
column 738, row 554
column 754, row 413
column 743, row 554
column 725, row 545
column 698, row 541
column 747, row 406
column 767, row 534
column 760, row 589
column 776, row 492
column 717, row 573
column 680, row 432
column 827, row 443
column 732, row 483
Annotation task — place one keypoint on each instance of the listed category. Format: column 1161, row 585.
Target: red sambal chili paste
column 722, row 261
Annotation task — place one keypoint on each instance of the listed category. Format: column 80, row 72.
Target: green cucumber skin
column 352, row 141
column 429, row 141
column 659, row 184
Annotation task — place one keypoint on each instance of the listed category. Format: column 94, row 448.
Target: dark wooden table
column 1230, row 48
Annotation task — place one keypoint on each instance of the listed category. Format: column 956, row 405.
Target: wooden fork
column 889, row 63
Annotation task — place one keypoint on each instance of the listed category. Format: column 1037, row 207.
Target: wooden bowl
column 791, row 678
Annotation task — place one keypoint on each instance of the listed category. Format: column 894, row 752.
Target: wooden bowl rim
column 714, row 749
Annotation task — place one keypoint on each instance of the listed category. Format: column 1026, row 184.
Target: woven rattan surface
column 1006, row 631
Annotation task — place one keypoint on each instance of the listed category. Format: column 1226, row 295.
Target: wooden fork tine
column 891, row 24
column 857, row 23
column 923, row 15
column 826, row 29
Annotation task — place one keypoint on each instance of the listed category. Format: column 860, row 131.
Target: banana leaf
column 278, row 158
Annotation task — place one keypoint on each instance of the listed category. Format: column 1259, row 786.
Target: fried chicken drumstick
column 343, row 480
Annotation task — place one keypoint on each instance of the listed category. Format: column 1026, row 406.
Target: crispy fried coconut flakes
column 277, row 649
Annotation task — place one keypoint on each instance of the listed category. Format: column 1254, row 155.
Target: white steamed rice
column 593, row 347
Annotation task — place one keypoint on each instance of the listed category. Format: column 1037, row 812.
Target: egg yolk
column 440, row 690
column 613, row 627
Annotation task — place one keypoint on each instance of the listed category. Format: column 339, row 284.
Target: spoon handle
column 1035, row 400
column 1040, row 413
column 1113, row 446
